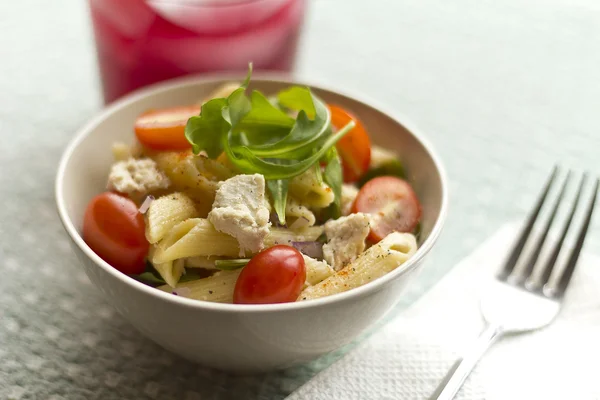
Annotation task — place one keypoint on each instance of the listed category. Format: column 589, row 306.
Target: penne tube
column 377, row 261
column 197, row 237
column 217, row 288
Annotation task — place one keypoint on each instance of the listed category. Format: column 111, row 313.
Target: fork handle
column 461, row 369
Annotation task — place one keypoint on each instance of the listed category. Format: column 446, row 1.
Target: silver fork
column 521, row 302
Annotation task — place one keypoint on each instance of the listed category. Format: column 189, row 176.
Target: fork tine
column 568, row 271
column 547, row 271
column 510, row 263
column 538, row 247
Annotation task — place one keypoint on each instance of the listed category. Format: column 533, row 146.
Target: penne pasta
column 377, row 261
column 122, row 151
column 286, row 236
column 197, row 237
column 349, row 193
column 166, row 212
column 217, row 288
column 200, row 262
column 316, row 271
column 297, row 215
column 222, row 91
column 306, row 188
column 197, row 176
column 380, row 156
column 247, row 163
column 170, row 271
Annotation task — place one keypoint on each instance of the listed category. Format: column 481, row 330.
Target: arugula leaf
column 237, row 107
column 322, row 238
column 306, row 133
column 238, row 104
column 388, row 168
column 332, row 176
column 243, row 158
column 228, row 265
column 318, row 174
column 248, row 76
column 417, row 231
column 152, row 277
column 149, row 278
column 258, row 137
column 298, row 98
column 264, row 123
column 205, row 131
column 279, row 192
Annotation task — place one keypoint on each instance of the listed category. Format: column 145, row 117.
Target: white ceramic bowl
column 228, row 336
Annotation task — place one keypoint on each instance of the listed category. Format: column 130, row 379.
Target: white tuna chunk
column 239, row 210
column 346, row 239
column 136, row 176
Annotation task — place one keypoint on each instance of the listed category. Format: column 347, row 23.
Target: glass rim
column 211, row 3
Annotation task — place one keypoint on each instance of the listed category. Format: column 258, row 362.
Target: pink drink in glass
column 140, row 42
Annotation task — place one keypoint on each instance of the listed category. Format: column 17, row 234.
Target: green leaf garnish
column 417, row 231
column 258, row 137
column 297, row 98
column 264, row 123
column 228, row 265
column 152, row 277
column 388, row 168
column 149, row 278
column 306, row 134
column 244, row 159
column 332, row 176
column 279, row 193
column 201, row 131
column 248, row 77
column 318, row 174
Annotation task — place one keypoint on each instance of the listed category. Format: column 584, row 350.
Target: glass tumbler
column 140, row 42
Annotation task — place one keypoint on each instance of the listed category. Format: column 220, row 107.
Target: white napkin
column 409, row 356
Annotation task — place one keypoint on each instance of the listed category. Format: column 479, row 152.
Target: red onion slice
column 311, row 249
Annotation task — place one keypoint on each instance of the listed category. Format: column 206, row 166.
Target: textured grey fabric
column 503, row 90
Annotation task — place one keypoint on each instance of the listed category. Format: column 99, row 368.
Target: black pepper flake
column 210, row 292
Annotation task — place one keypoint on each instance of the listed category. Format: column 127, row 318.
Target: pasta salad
column 250, row 199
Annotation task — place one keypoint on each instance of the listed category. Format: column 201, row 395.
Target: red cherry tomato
column 275, row 275
column 393, row 204
column 354, row 148
column 165, row 129
column 114, row 229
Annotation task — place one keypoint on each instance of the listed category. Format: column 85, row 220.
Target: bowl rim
column 156, row 89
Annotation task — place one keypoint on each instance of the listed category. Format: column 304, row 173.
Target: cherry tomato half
column 114, row 229
column 354, row 148
column 275, row 275
column 165, row 129
column 393, row 204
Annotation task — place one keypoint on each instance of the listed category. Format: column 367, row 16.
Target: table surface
column 504, row 90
